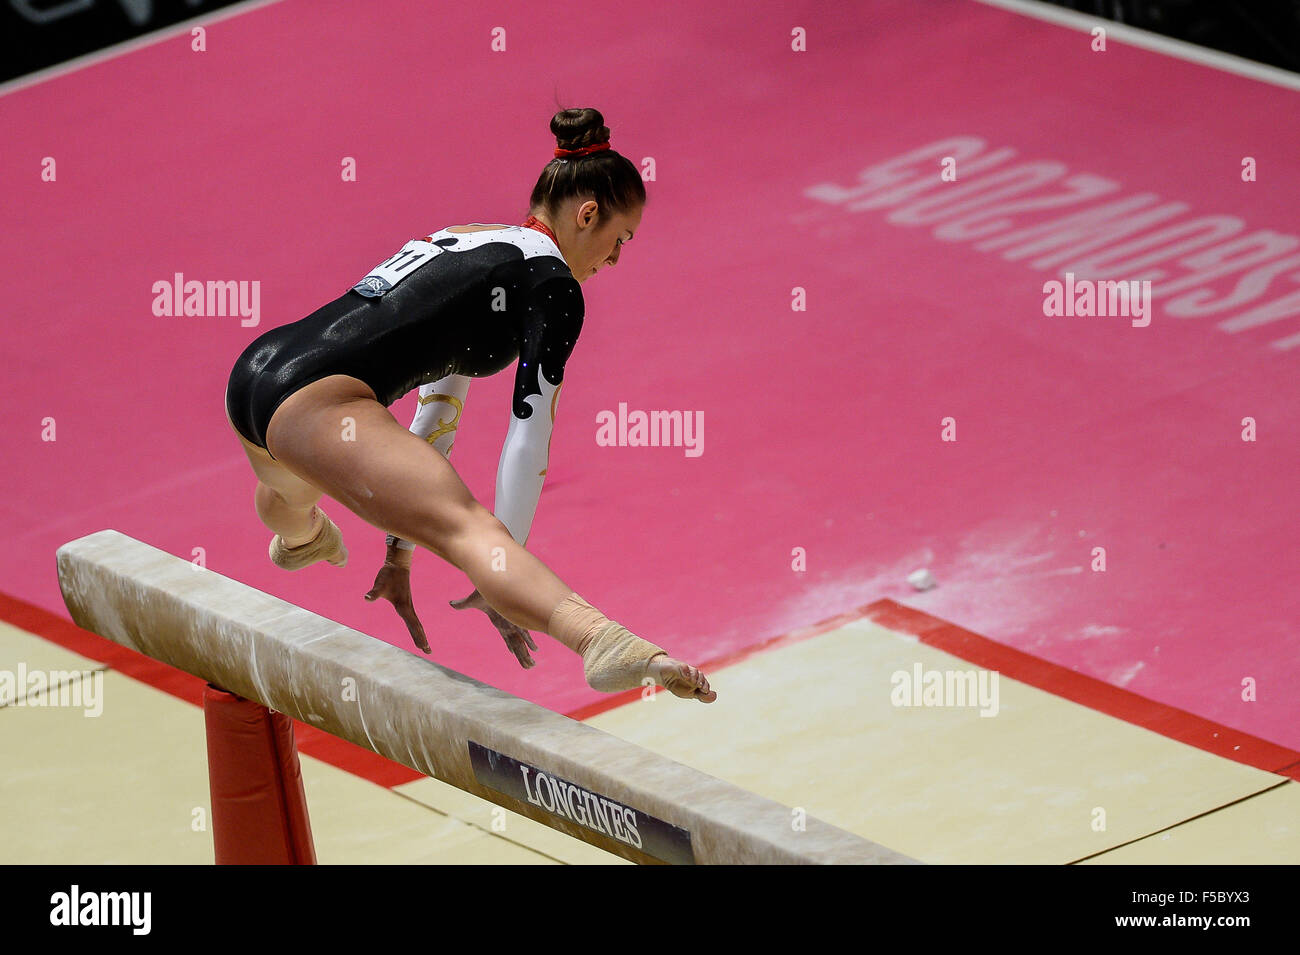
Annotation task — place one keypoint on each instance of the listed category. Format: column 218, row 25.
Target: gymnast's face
column 591, row 241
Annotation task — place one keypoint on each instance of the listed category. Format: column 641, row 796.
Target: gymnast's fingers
column 518, row 641
column 521, row 653
column 406, row 610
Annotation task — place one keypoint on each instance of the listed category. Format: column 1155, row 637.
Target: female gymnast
column 309, row 402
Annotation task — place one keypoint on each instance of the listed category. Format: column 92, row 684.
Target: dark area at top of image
column 1266, row 31
column 35, row 34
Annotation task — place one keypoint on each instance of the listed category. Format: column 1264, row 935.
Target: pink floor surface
column 821, row 427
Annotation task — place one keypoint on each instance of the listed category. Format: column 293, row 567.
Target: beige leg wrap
column 613, row 658
column 326, row 545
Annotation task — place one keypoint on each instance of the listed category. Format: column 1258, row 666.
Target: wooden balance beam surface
column 562, row 773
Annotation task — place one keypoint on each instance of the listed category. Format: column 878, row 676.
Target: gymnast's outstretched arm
column 547, row 335
column 548, row 332
column 520, row 474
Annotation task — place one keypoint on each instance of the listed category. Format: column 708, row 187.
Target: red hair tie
column 581, row 152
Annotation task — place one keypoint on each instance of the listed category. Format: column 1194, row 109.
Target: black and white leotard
column 446, row 308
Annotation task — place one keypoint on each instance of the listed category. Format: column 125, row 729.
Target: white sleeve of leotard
column 549, row 333
column 524, row 459
column 436, row 418
column 438, row 413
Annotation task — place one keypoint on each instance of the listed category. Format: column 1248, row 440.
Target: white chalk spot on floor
column 921, row 579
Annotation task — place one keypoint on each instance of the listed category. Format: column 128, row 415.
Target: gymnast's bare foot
column 680, row 679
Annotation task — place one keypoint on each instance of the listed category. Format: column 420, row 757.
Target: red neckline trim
column 532, row 222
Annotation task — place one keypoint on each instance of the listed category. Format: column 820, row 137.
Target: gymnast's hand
column 393, row 583
column 517, row 638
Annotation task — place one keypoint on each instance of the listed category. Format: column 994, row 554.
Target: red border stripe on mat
column 184, row 686
column 1236, row 745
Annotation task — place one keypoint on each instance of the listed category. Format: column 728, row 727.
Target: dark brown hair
column 605, row 176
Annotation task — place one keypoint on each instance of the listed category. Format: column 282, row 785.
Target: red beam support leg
column 259, row 808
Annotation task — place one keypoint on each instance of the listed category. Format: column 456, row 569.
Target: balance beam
column 565, row 774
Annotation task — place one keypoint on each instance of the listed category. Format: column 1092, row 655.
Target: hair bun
column 576, row 128
column 601, row 175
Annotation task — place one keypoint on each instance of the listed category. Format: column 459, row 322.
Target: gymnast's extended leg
column 334, row 435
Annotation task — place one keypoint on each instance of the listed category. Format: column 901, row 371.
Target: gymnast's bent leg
column 285, row 503
column 334, row 435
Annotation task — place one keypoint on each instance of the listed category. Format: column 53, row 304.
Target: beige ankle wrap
column 326, row 545
column 613, row 658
